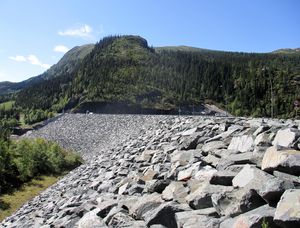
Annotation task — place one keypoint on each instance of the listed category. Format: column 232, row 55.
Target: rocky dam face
column 171, row 171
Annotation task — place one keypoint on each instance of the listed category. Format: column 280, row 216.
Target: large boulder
column 186, row 174
column 175, row 191
column 184, row 217
column 241, row 143
column 91, row 220
column 145, row 204
column 236, row 201
column 121, row 219
column 213, row 145
column 164, row 215
column 286, row 137
column 267, row 186
column 286, row 160
column 182, row 157
column 287, row 213
column 201, row 198
column 223, row 177
column 259, row 217
column 197, row 220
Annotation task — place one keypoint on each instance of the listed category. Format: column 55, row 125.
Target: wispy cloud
column 18, row 58
column 61, row 48
column 79, row 31
column 32, row 59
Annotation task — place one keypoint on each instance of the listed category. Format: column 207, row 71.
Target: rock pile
column 172, row 172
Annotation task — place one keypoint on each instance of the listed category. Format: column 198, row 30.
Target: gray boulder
column 286, row 160
column 287, row 213
column 241, row 143
column 236, row 201
column 164, row 215
column 201, row 198
column 91, row 220
column 252, row 219
column 222, row 178
column 286, row 137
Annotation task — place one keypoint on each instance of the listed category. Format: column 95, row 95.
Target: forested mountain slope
column 125, row 69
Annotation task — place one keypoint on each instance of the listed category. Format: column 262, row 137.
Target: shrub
column 22, row 160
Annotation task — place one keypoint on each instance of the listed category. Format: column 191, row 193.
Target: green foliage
column 22, row 160
column 125, row 69
column 264, row 224
column 36, row 115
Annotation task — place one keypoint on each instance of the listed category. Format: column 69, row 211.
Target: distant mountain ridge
column 287, row 50
column 67, row 64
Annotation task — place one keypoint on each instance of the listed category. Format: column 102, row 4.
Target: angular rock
column 157, row 185
column 183, row 217
column 183, row 157
column 252, row 219
column 123, row 188
column 250, row 175
column 235, row 159
column 147, row 155
column 213, row 145
column 241, row 143
column 236, row 201
column 201, row 198
column 197, row 221
column 175, row 191
column 188, row 132
column 164, row 215
column 262, row 140
column 145, row 204
column 287, row 213
column 205, row 173
column 149, row 175
column 105, row 207
column 267, row 186
column 121, row 219
column 286, row 137
column 287, row 161
column 186, row 174
column 287, row 177
column 91, row 220
column 190, row 142
column 261, row 129
column 222, row 178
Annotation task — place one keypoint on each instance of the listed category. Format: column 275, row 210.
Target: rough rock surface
column 168, row 171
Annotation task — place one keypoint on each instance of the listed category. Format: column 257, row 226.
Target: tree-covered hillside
column 125, row 69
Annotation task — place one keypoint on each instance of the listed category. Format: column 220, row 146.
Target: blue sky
column 36, row 33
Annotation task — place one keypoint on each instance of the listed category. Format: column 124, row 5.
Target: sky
column 35, row 34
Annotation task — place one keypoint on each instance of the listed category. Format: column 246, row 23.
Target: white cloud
column 61, row 48
column 32, row 59
column 18, row 58
column 82, row 31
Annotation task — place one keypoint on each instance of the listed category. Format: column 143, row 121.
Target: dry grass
column 9, row 203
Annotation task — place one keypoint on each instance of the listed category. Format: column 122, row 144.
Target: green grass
column 7, row 105
column 10, row 202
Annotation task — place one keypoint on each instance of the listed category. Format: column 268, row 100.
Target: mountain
column 287, row 51
column 67, row 64
column 124, row 71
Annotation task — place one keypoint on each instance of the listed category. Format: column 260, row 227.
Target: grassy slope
column 7, row 105
column 9, row 203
